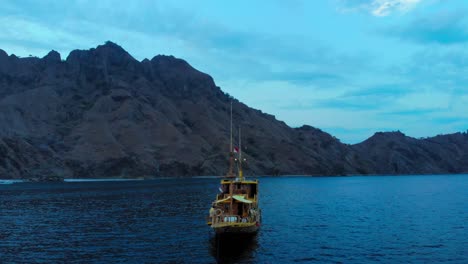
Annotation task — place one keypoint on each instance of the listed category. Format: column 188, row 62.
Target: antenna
column 241, row 176
column 240, row 145
column 230, row 149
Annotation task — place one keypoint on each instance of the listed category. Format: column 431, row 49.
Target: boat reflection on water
column 233, row 248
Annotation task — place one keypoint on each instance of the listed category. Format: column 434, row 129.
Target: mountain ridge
column 102, row 113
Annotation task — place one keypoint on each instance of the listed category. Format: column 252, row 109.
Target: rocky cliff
column 101, row 113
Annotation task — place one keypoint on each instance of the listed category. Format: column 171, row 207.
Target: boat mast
column 231, row 153
column 241, row 176
column 230, row 149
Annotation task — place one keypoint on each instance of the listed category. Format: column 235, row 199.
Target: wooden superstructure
column 235, row 209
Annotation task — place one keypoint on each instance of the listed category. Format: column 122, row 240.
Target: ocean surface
column 391, row 219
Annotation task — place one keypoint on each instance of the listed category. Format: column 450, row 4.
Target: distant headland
column 101, row 113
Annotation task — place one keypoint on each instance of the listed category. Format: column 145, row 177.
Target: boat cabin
column 236, row 203
column 247, row 188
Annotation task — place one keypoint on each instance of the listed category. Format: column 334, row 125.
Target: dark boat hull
column 237, row 229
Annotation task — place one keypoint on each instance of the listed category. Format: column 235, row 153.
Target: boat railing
column 228, row 218
column 226, row 195
column 225, row 218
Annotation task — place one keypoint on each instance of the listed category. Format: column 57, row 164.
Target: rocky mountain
column 101, row 113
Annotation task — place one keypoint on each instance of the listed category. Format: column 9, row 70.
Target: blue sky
column 349, row 67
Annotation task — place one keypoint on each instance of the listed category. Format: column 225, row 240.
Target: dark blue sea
column 391, row 219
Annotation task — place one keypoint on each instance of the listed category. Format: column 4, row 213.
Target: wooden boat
column 235, row 209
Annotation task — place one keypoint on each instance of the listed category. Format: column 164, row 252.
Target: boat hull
column 244, row 228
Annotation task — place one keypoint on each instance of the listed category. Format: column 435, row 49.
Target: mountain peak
column 52, row 56
column 386, row 137
column 306, row 128
column 397, row 133
column 169, row 60
column 108, row 52
column 109, row 45
column 112, row 51
column 169, row 66
column 3, row 54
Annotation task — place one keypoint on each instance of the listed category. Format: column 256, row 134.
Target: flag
column 236, row 149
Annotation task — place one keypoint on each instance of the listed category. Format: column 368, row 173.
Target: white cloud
column 386, row 7
column 379, row 8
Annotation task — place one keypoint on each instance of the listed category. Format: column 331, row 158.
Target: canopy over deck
column 239, row 198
